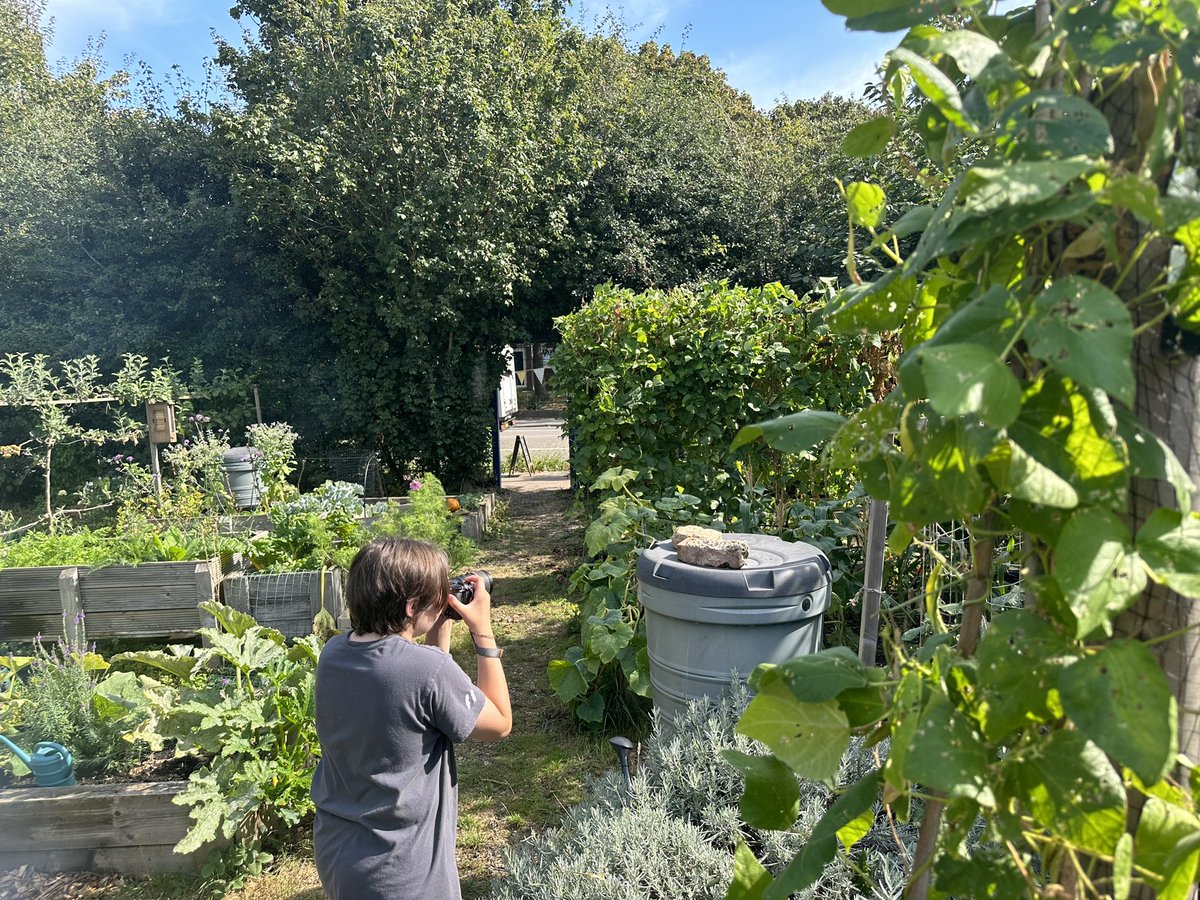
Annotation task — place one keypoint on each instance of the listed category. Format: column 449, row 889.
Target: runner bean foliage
column 1019, row 309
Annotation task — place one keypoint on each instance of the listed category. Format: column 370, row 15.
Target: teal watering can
column 50, row 763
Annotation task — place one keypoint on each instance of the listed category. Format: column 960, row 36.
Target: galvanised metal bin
column 702, row 624
column 241, row 476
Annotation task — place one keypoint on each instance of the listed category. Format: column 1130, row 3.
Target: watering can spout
column 18, row 752
column 50, row 763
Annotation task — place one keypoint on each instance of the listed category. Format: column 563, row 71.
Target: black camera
column 464, row 591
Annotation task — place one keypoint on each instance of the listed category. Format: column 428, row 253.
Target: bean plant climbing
column 1046, row 312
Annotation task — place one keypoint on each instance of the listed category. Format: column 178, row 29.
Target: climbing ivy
column 1028, row 309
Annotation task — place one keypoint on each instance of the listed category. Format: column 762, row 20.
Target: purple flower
column 225, row 682
column 414, row 485
column 187, row 443
column 80, row 616
column 129, row 459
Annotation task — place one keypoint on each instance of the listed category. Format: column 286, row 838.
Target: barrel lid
column 241, row 454
column 775, row 568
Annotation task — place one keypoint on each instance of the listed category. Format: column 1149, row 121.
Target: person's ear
column 410, row 608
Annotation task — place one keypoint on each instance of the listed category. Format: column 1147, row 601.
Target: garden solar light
column 623, row 745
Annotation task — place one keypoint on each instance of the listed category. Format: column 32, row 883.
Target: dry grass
column 508, row 789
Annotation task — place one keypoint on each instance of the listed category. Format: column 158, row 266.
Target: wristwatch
column 490, row 652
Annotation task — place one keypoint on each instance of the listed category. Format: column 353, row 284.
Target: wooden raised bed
column 286, row 601
column 475, row 522
column 156, row 599
column 126, row 828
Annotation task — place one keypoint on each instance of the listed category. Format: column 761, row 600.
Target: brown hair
column 386, row 574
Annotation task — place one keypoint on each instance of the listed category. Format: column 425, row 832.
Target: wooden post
column 72, row 606
column 257, row 405
column 205, row 590
column 316, row 589
column 868, row 635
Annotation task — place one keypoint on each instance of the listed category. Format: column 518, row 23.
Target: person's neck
column 375, row 636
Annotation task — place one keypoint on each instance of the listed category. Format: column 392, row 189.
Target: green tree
column 684, row 188
column 118, row 232
column 407, row 155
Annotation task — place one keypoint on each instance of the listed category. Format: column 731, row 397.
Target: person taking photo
column 389, row 711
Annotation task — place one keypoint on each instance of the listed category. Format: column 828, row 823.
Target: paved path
column 523, row 482
column 542, row 430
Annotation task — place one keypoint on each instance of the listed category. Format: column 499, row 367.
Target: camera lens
column 464, row 590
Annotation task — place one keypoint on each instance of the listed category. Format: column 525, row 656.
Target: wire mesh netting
column 355, row 467
column 286, row 601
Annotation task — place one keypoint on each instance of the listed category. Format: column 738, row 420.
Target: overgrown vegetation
column 401, row 252
column 660, row 382
column 1036, row 310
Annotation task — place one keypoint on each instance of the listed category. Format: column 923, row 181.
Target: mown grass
column 509, row 789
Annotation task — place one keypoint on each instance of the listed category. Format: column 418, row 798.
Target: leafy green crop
column 245, row 701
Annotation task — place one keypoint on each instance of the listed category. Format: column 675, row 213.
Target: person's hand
column 439, row 634
column 478, row 613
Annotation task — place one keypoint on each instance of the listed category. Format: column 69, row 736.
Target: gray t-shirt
column 386, row 788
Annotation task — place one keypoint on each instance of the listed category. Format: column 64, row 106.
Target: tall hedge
column 661, row 381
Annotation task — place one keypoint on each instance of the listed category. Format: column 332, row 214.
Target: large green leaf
column 877, row 306
column 977, row 56
column 1059, row 428
column 772, row 795
column 969, row 380
column 822, row 676
column 937, row 86
column 565, row 680
column 1120, row 700
column 988, row 189
column 182, row 667
column 809, row 737
column 1071, row 788
column 1082, row 329
column 950, row 452
column 863, row 706
column 609, row 635
column 807, row 866
column 750, row 879
column 1019, row 660
column 591, row 709
column 869, row 138
column 1021, row 476
column 1104, row 37
column 987, row 872
column 946, row 753
column 794, row 433
column 866, row 203
column 1150, row 457
column 1097, row 569
column 887, row 15
column 1050, row 124
column 1163, row 830
column 1169, row 545
column 990, row 320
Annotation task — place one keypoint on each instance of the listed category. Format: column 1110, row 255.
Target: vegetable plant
column 1044, row 336
column 244, row 702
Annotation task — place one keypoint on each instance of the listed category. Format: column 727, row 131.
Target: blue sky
column 768, row 48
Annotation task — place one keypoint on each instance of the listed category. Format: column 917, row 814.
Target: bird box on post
column 160, row 418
